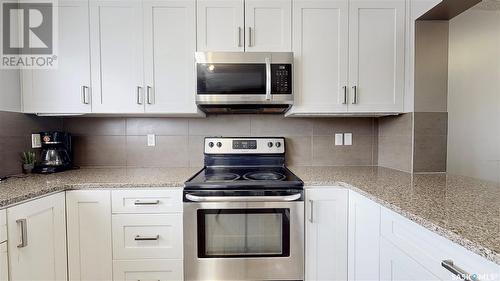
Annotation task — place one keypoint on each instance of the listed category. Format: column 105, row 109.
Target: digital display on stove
column 244, row 144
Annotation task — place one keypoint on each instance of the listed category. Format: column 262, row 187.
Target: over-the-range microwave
column 238, row 82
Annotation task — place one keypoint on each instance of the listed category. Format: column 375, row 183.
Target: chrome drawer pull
column 460, row 273
column 146, row 238
column 24, row 233
column 151, row 202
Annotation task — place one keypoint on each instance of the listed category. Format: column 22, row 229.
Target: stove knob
column 219, row 144
column 211, row 144
column 270, row 144
column 278, row 144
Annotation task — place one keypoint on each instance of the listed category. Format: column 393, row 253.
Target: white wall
column 10, row 93
column 474, row 94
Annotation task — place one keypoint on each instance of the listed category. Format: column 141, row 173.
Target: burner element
column 222, row 177
column 264, row 176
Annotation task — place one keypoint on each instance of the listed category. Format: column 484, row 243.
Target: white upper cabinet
column 67, row 88
column 117, row 56
column 376, row 57
column 326, row 234
column 221, row 25
column 268, row 25
column 170, row 44
column 37, row 239
column 349, row 56
column 320, row 46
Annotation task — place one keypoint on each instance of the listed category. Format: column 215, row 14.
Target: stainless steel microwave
column 237, row 82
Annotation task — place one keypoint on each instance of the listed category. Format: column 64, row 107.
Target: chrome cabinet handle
column 146, row 202
column 344, row 100
column 239, row 36
column 249, row 37
column 85, row 95
column 460, row 273
column 149, row 95
column 355, row 95
column 139, row 95
column 311, row 211
column 286, row 198
column 147, row 238
column 268, row 79
column 24, row 233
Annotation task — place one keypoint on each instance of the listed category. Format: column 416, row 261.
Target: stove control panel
column 244, row 145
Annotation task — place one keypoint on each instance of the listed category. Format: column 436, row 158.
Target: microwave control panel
column 281, row 78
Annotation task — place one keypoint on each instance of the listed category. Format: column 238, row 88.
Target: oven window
column 235, row 233
column 234, row 79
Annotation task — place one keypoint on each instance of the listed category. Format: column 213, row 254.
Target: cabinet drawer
column 146, row 201
column 3, row 225
column 430, row 249
column 161, row 270
column 151, row 236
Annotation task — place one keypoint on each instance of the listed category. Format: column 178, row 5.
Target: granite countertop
column 462, row 209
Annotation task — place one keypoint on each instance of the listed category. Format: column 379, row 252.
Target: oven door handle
column 285, row 198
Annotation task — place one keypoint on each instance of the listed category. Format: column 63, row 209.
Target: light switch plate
column 151, row 140
column 347, row 138
column 36, row 141
column 339, row 139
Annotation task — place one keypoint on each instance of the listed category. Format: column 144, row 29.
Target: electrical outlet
column 36, row 141
column 339, row 139
column 151, row 140
column 347, row 138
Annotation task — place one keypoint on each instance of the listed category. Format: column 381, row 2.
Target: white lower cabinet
column 4, row 262
column 364, row 238
column 37, row 239
column 89, row 234
column 158, row 270
column 326, row 234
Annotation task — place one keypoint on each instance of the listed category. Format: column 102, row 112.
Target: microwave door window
column 231, row 79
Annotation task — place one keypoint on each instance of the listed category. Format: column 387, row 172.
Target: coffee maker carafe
column 56, row 155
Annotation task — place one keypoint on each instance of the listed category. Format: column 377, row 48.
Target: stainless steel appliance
column 237, row 82
column 244, row 214
column 56, row 153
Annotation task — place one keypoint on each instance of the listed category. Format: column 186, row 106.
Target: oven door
column 243, row 237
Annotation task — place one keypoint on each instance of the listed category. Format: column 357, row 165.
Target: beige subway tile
column 157, row 126
column 431, row 123
column 400, row 125
column 330, row 126
column 170, row 151
column 95, row 126
column 277, row 126
column 326, row 153
column 430, row 153
column 299, row 150
column 221, row 125
column 99, row 150
column 395, row 152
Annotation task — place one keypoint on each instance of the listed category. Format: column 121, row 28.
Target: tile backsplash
column 15, row 132
column 122, row 141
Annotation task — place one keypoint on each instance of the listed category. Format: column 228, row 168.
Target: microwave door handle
column 268, row 79
column 286, row 198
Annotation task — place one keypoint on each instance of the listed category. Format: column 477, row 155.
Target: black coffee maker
column 56, row 155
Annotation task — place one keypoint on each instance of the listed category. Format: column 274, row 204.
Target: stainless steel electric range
column 244, row 213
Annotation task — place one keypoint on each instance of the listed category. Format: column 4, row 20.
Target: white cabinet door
column 117, row 56
column 395, row 265
column 220, row 25
column 4, row 262
column 326, row 234
column 320, row 46
column 62, row 90
column 364, row 238
column 376, row 55
column 37, row 239
column 268, row 25
column 89, row 234
column 170, row 44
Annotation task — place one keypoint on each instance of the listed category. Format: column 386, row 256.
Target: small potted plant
column 28, row 159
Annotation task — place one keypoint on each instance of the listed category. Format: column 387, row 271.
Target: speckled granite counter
column 464, row 210
column 15, row 190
